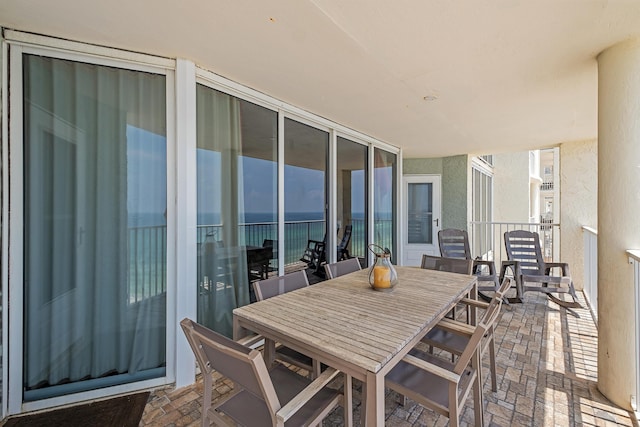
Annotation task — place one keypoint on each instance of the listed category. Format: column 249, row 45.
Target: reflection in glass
column 384, row 198
column 237, row 203
column 352, row 200
column 95, row 173
column 305, row 175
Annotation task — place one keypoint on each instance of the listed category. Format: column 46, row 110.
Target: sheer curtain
column 223, row 272
column 95, row 175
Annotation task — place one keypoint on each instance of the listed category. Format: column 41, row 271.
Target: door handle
column 437, row 221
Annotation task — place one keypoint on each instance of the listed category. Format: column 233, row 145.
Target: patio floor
column 547, row 376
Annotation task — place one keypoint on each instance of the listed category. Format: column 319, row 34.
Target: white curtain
column 223, row 277
column 82, row 322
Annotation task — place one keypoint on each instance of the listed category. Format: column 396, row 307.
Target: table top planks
column 347, row 320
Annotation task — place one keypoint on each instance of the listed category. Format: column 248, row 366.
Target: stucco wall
column 578, row 202
column 456, row 195
column 456, row 192
column 511, row 187
column 422, row 166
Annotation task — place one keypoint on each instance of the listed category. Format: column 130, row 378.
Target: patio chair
column 453, row 265
column 271, row 247
column 277, row 286
column 441, row 385
column 528, row 266
column 278, row 395
column 454, row 243
column 341, row 268
column 343, row 248
column 314, row 255
column 453, row 337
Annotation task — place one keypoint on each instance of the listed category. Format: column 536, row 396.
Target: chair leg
column 206, row 399
column 478, row 401
column 454, row 410
column 492, row 363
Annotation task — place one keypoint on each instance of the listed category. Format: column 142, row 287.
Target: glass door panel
column 95, row 196
column 237, row 203
column 385, row 199
column 352, row 199
column 305, row 182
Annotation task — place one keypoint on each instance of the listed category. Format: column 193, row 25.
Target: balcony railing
column 147, row 247
column 487, row 238
column 591, row 269
column 634, row 259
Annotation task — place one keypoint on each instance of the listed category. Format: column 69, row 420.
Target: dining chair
column 341, row 268
column 440, row 384
column 453, row 337
column 453, row 265
column 277, row 286
column 261, row 396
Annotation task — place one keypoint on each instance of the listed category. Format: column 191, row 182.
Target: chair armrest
column 288, row 410
column 433, row 369
column 456, row 327
column 480, row 262
column 513, row 265
column 562, row 265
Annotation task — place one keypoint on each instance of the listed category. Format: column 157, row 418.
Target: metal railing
column 147, row 247
column 634, row 259
column 591, row 270
column 487, row 238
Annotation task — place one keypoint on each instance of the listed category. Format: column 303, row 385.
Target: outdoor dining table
column 362, row 332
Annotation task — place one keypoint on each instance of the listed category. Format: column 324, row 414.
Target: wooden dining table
column 362, row 332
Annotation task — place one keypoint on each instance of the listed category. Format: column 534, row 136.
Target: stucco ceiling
column 503, row 75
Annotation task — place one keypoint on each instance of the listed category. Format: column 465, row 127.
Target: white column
column 185, row 214
column 618, row 215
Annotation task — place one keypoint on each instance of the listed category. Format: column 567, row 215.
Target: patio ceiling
column 503, row 75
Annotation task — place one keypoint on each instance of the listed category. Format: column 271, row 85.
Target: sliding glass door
column 237, row 203
column 385, row 201
column 95, row 197
column 352, row 198
column 305, row 182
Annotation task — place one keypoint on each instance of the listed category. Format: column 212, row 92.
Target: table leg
column 238, row 331
column 348, row 400
column 374, row 400
column 269, row 353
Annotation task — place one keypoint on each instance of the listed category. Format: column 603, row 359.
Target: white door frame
column 412, row 253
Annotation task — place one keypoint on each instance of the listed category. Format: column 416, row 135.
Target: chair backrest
column 279, row 285
column 454, row 243
column 271, row 244
column 524, row 247
column 342, row 267
column 244, row 366
column 346, row 237
column 453, row 265
column 490, row 316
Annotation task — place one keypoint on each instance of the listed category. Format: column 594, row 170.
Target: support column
column 618, row 216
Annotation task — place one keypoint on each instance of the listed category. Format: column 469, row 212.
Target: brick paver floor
column 547, row 376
